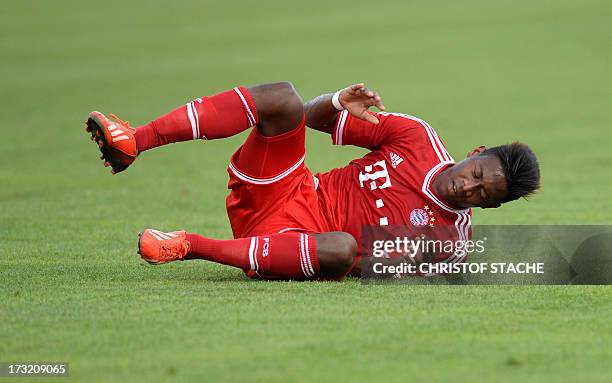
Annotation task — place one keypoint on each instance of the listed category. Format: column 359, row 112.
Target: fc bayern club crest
column 419, row 217
column 422, row 217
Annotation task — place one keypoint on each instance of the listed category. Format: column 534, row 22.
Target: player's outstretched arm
column 356, row 99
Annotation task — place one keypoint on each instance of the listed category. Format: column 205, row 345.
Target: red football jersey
column 391, row 185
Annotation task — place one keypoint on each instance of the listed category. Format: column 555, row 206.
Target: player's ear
column 477, row 151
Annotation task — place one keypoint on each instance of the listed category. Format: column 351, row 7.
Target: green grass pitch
column 480, row 72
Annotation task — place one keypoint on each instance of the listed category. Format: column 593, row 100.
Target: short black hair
column 520, row 167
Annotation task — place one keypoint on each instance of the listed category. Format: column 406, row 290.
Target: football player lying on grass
column 288, row 223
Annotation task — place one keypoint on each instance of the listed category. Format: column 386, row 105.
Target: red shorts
column 272, row 190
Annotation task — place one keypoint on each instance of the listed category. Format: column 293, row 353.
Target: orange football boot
column 157, row 247
column 114, row 138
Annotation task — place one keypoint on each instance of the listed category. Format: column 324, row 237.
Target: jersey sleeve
column 391, row 128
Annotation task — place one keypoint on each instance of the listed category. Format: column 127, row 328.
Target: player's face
column 477, row 181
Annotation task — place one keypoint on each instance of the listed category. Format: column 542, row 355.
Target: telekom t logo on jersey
column 377, row 174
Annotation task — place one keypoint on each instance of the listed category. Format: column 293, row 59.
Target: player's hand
column 357, row 99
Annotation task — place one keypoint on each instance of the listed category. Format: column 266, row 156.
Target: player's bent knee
column 336, row 252
column 347, row 249
column 279, row 107
column 277, row 99
column 288, row 103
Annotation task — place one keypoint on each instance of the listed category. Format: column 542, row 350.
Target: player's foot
column 114, row 138
column 157, row 247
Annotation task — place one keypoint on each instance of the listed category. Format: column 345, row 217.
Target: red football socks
column 276, row 256
column 219, row 116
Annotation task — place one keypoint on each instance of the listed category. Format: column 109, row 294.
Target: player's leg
column 273, row 108
column 276, row 256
